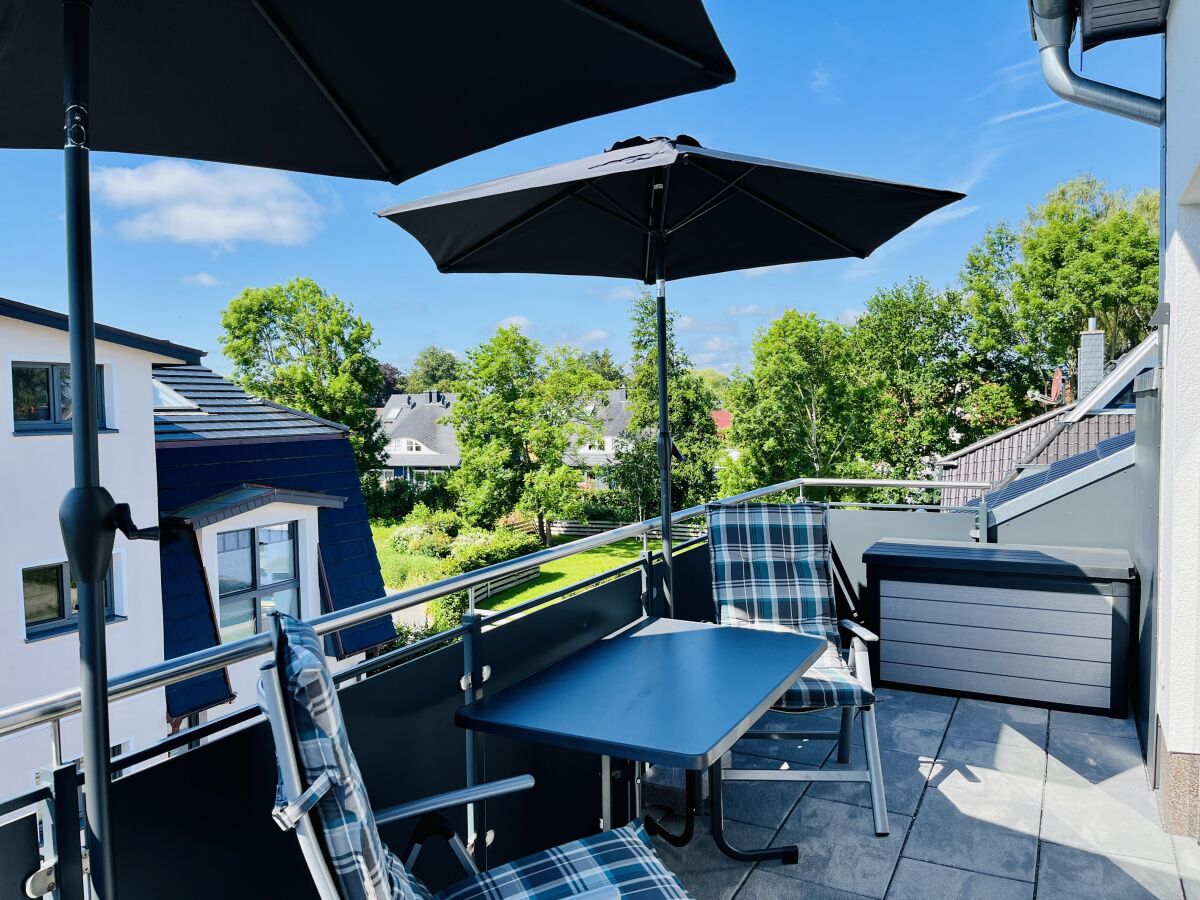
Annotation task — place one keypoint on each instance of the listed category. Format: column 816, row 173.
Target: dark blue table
column 660, row 691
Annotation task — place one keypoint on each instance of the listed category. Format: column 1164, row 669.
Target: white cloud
column 521, row 322
column 749, row 309
column 595, row 336
column 197, row 203
column 769, row 270
column 848, row 316
column 695, row 325
column 1027, row 111
column 819, row 79
column 202, row 279
column 946, row 215
column 618, row 292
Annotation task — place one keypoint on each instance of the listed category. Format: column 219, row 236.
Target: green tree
column 300, row 346
column 910, row 348
column 718, row 382
column 433, row 369
column 519, row 413
column 801, row 411
column 634, row 477
column 602, row 363
column 689, row 407
column 394, row 382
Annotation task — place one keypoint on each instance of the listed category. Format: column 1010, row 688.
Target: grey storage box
column 1047, row 625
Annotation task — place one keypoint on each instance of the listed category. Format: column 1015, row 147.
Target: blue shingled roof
column 1055, row 471
column 193, row 471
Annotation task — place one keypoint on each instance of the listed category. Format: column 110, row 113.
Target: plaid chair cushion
column 771, row 565
column 827, row 683
column 364, row 867
column 622, row 858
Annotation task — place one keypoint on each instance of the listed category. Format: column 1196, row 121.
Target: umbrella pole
column 86, row 514
column 664, row 434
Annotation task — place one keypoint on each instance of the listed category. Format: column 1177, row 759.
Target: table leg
column 691, row 793
column 789, row 854
column 606, row 797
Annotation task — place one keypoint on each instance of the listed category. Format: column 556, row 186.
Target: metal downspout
column 1053, row 28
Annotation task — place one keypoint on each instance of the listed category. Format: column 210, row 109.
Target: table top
column 659, row 691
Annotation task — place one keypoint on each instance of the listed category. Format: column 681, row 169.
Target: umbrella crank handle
column 122, row 520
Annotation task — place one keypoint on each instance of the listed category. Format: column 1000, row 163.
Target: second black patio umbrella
column 659, row 208
column 356, row 88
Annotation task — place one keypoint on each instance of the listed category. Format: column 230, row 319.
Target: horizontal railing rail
column 28, row 714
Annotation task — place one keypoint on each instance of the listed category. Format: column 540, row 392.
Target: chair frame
column 860, row 668
column 298, row 814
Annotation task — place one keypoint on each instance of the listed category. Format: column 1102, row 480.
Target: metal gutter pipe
column 1053, row 28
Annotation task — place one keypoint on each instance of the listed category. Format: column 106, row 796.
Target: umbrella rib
column 721, row 196
column 511, row 226
column 619, row 211
column 787, row 213
column 641, row 33
column 611, row 213
column 327, row 92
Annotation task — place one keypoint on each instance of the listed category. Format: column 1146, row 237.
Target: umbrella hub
column 682, row 140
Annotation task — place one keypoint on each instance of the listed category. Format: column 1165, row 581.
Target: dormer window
column 407, row 445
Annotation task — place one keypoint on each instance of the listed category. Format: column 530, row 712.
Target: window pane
column 31, row 394
column 109, row 590
column 235, row 562
column 64, row 392
column 285, row 601
column 43, row 599
column 237, row 618
column 276, row 555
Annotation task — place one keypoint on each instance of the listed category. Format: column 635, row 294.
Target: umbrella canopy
column 715, row 212
column 356, row 88
column 659, row 208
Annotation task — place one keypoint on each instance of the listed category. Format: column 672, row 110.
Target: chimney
column 1091, row 363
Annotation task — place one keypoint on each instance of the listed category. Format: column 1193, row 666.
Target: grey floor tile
column 904, row 776
column 1090, row 819
column 914, row 700
column 917, row 880
column 976, row 832
column 839, row 848
column 1067, row 872
column 808, row 753
column 1112, row 762
column 998, row 723
column 906, row 718
column 1001, row 771
column 1187, row 856
column 768, row 884
column 893, row 736
column 1072, row 721
column 764, row 803
column 706, row 872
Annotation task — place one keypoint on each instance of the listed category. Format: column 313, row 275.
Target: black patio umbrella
column 649, row 209
column 356, row 88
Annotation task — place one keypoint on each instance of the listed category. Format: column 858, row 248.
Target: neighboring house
column 261, row 510
column 1105, row 410
column 39, row 646
column 613, row 413
column 420, row 445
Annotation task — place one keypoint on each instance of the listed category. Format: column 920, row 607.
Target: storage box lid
column 969, row 556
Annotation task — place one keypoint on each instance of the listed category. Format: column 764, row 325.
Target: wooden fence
column 575, row 528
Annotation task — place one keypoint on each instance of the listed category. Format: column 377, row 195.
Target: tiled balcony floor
column 986, row 800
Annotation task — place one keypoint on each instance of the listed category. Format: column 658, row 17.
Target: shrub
column 446, row 520
column 431, row 543
column 476, row 549
column 388, row 502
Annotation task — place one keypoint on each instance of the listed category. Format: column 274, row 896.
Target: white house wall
column 1179, row 554
column 35, row 473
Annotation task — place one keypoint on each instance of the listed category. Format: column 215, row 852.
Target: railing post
column 983, row 531
column 472, row 685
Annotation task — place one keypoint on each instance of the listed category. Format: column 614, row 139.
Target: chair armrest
column 859, row 631
column 452, row 799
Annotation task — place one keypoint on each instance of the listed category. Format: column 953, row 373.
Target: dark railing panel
column 19, row 856
column 199, row 825
column 693, row 584
column 565, row 804
column 851, row 531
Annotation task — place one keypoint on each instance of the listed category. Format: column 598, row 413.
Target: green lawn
column 567, row 571
column 403, row 570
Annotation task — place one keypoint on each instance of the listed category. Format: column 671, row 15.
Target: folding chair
column 772, row 568
column 321, row 796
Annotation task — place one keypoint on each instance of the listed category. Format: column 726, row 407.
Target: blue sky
column 945, row 94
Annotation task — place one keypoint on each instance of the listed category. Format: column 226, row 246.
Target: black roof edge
column 273, row 495
column 338, row 425
column 36, row 315
column 161, row 443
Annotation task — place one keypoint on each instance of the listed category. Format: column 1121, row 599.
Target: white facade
column 35, row 473
column 1179, row 509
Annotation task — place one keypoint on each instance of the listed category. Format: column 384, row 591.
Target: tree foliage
column 433, row 369
column 603, row 364
column 520, row 411
column 394, row 382
column 690, row 403
column 300, row 346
